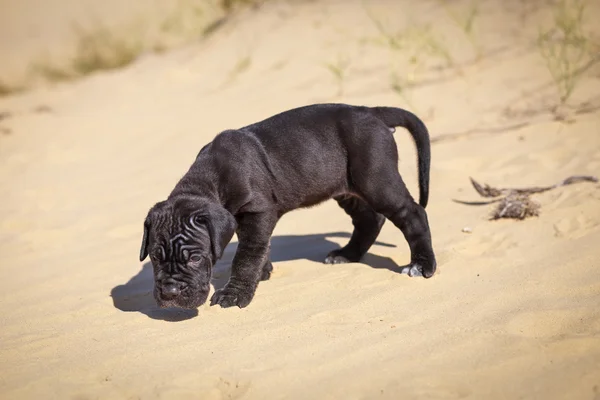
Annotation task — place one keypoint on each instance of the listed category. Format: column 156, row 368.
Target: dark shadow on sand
column 136, row 295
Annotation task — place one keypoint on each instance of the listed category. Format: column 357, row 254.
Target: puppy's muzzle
column 171, row 289
column 169, row 292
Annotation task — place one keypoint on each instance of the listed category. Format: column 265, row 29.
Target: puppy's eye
column 199, row 220
column 195, row 258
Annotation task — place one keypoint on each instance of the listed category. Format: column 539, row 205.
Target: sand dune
column 513, row 311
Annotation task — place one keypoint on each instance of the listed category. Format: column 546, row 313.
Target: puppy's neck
column 193, row 195
column 191, row 187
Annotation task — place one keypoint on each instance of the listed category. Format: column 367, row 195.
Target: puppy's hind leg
column 367, row 225
column 377, row 180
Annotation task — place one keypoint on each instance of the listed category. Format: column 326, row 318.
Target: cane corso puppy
column 246, row 179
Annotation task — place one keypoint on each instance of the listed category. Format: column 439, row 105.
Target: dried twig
column 488, row 191
column 476, row 203
column 515, row 203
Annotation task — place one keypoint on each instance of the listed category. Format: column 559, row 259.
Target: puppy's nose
column 170, row 291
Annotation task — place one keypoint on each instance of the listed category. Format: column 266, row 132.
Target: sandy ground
column 513, row 312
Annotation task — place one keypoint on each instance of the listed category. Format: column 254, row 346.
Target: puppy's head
column 184, row 238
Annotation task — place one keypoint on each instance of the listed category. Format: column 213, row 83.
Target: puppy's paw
column 412, row 270
column 428, row 268
column 336, row 260
column 230, row 296
column 415, row 269
column 339, row 257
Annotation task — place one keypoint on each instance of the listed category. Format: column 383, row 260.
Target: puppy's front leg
column 254, row 234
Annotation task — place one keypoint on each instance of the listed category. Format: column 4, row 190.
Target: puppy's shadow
column 137, row 294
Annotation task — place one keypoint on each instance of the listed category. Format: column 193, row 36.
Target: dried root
column 516, row 203
column 516, row 206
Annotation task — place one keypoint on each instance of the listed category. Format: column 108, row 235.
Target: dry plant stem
column 515, row 203
column 488, row 191
column 565, row 47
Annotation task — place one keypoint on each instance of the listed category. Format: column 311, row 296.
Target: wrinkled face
column 183, row 241
column 181, row 258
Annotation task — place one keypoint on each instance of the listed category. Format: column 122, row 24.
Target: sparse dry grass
column 8, row 89
column 192, row 20
column 101, row 48
column 339, row 70
column 187, row 15
column 466, row 22
column 565, row 48
column 231, row 5
column 97, row 49
column 414, row 49
column 414, row 42
column 401, row 87
column 241, row 66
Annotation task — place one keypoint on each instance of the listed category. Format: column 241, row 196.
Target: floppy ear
column 144, row 249
column 221, row 227
column 147, row 224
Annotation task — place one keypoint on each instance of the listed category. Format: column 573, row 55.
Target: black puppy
column 246, row 179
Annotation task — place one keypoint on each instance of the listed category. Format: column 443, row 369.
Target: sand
column 513, row 312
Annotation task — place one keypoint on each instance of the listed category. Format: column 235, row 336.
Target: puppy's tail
column 393, row 117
